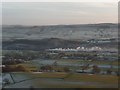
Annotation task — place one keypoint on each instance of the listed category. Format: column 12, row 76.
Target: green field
column 68, row 80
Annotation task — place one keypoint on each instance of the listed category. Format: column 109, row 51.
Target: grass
column 111, row 79
column 49, row 75
column 74, row 80
column 94, row 78
column 44, row 85
column 99, row 79
column 89, row 61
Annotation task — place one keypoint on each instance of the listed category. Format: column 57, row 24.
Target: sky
column 57, row 13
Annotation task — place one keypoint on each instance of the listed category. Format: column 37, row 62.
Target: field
column 65, row 80
column 33, row 77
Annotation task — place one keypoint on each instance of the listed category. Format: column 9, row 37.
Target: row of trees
column 95, row 69
column 50, row 68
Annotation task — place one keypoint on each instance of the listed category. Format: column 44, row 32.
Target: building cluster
column 77, row 49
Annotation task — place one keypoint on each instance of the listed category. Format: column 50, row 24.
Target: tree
column 43, row 68
column 109, row 71
column 47, row 67
column 66, row 69
column 96, row 69
column 55, row 63
column 20, row 68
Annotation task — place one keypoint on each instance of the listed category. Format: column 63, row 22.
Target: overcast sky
column 49, row 13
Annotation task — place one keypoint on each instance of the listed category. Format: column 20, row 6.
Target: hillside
column 47, row 43
column 78, row 32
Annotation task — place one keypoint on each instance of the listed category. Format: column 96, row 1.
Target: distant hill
column 72, row 32
column 56, row 36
